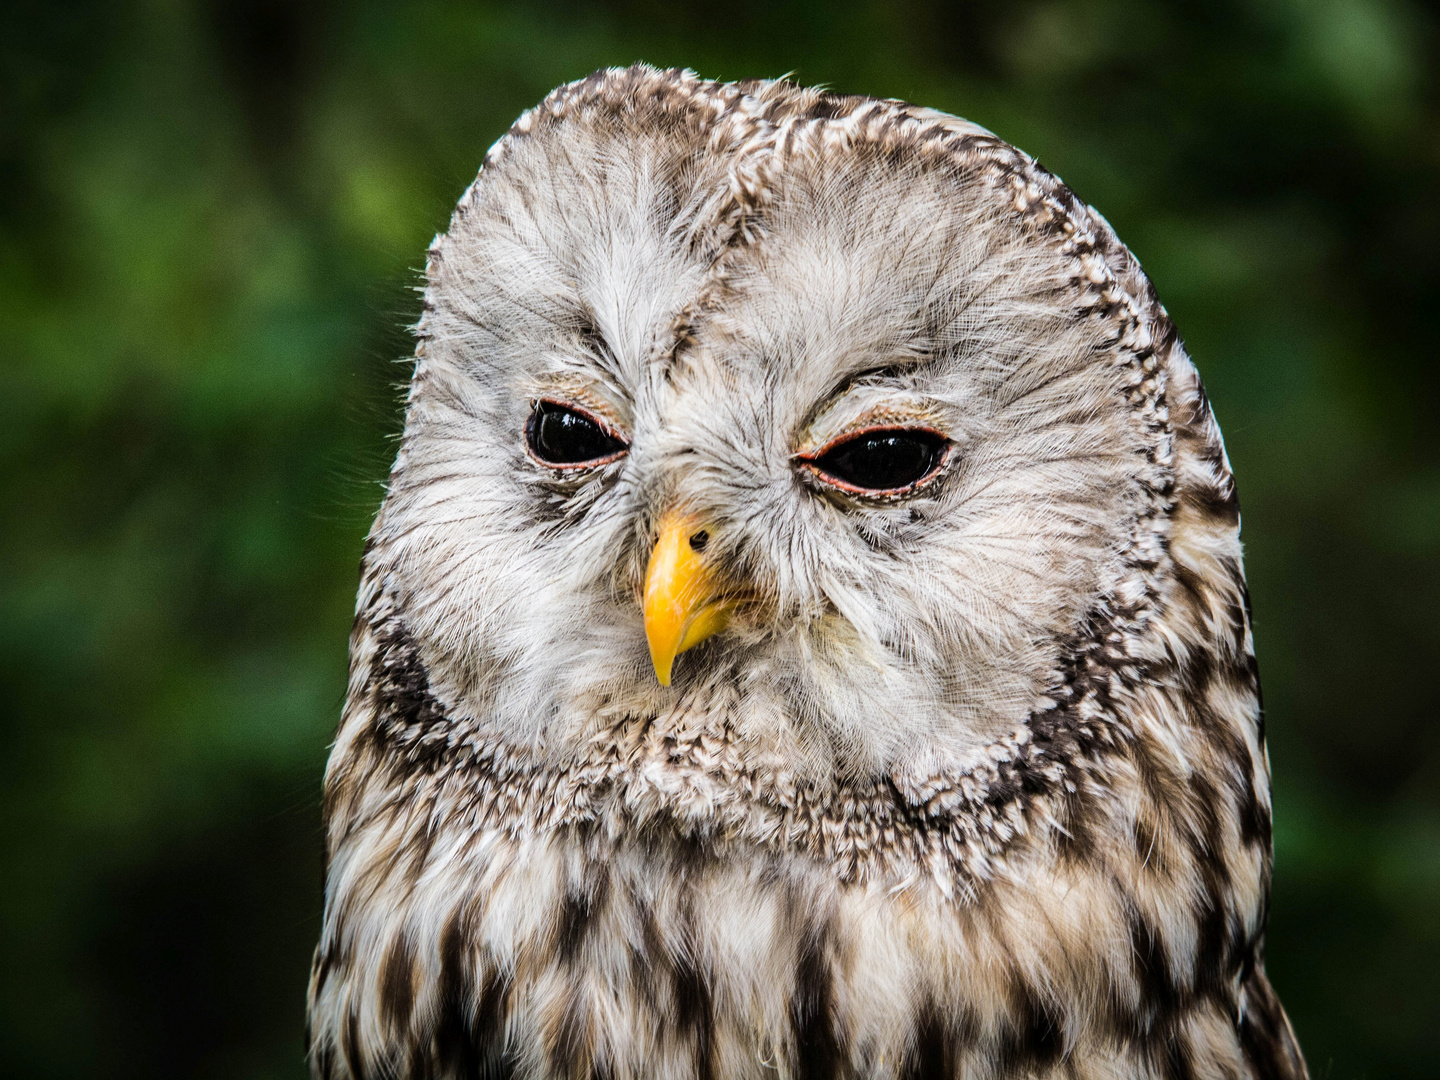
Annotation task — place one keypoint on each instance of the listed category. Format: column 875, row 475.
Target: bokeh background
column 213, row 215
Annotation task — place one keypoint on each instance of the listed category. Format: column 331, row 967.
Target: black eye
column 560, row 436
column 884, row 460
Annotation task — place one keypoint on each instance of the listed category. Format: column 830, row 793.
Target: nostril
column 699, row 540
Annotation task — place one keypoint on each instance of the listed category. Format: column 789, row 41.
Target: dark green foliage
column 211, row 220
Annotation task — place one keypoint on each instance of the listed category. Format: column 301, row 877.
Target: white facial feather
column 931, row 626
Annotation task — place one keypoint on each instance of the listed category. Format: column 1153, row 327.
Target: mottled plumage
column 973, row 782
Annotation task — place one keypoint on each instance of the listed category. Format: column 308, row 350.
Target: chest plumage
column 805, row 633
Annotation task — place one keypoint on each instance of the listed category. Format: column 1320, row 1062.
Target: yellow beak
column 682, row 607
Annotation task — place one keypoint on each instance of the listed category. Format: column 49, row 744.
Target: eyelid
column 811, row 456
column 867, row 407
column 579, row 410
column 809, row 459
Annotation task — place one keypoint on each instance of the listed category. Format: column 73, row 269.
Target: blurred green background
column 213, row 214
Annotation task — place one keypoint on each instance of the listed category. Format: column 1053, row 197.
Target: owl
column 805, row 633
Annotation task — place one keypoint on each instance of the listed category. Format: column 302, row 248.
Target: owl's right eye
column 564, row 437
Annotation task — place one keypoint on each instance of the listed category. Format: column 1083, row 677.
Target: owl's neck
column 1033, row 791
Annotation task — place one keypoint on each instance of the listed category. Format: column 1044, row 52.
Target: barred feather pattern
column 1064, row 873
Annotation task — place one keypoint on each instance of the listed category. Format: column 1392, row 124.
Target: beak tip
column 664, row 666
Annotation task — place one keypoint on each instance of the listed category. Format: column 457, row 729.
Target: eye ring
column 563, row 436
column 931, row 453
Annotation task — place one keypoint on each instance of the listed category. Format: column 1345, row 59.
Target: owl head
column 832, row 421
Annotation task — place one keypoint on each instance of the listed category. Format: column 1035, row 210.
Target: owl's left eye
column 880, row 461
column 564, row 437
